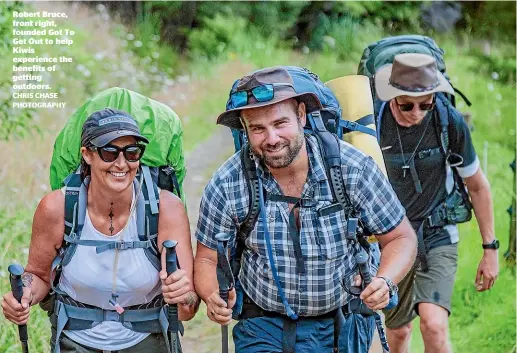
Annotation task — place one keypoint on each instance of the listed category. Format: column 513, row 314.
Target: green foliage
column 146, row 43
column 300, row 24
column 496, row 65
column 271, row 18
column 490, row 19
column 14, row 123
column 347, row 36
column 15, row 225
column 390, row 15
column 224, row 36
column 216, row 34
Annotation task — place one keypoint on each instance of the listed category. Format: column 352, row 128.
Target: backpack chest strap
column 360, row 125
column 102, row 245
column 428, row 153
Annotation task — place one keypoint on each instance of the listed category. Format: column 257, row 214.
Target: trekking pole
column 224, row 278
column 364, row 269
column 171, row 265
column 15, row 278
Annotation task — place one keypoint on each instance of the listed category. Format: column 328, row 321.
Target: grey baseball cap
column 106, row 125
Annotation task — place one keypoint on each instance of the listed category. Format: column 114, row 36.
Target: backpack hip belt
column 68, row 314
column 452, row 211
column 355, row 306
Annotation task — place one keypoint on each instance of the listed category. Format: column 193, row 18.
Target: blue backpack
column 307, row 81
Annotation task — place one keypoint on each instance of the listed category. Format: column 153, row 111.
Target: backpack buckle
column 112, row 315
column 437, row 217
column 351, row 229
column 123, row 245
column 429, row 221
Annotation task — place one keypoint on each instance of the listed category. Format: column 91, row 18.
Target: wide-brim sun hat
column 283, row 90
column 411, row 74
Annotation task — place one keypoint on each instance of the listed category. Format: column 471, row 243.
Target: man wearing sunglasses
column 427, row 171
column 297, row 264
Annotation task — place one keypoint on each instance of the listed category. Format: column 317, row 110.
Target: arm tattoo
column 192, row 300
column 27, row 279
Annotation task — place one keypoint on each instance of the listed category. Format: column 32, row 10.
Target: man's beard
column 292, row 150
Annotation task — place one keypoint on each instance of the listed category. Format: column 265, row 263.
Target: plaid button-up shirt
column 328, row 256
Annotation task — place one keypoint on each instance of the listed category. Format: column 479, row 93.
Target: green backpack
column 158, row 122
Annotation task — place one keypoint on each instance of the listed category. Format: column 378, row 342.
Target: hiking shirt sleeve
column 380, row 209
column 214, row 215
column 461, row 144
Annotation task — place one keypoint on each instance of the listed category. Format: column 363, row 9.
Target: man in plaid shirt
column 316, row 267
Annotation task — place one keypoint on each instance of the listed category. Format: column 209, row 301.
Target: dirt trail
column 201, row 163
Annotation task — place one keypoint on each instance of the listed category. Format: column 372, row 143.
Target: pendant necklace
column 407, row 163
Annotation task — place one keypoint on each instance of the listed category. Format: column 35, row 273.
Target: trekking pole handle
column 16, row 271
column 222, row 239
column 171, row 259
column 224, row 288
column 171, row 266
column 364, row 268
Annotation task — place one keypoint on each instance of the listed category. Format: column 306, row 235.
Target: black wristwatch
column 393, row 289
column 493, row 245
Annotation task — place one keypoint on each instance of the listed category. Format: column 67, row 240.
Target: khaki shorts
column 434, row 286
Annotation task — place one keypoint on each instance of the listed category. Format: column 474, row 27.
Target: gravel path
column 201, row 163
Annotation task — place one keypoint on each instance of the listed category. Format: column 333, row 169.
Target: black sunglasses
column 407, row 107
column 262, row 93
column 110, row 153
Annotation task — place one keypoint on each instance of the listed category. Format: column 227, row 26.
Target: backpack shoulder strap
column 76, row 199
column 331, row 153
column 250, row 173
column 442, row 109
column 378, row 120
column 147, row 215
column 75, row 212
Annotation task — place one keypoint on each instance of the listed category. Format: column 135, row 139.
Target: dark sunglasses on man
column 110, row 153
column 407, row 107
column 262, row 93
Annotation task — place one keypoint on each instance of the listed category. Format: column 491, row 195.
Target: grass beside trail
column 481, row 322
